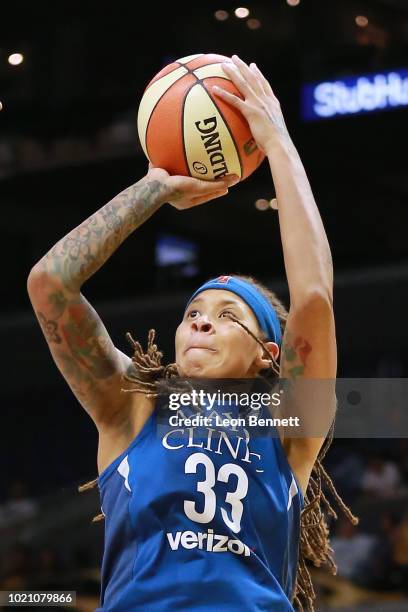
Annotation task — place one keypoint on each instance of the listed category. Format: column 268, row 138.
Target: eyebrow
column 224, row 302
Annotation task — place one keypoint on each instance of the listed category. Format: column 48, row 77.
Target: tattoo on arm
column 78, row 255
column 88, row 347
column 58, row 301
column 81, row 382
column 49, row 328
column 295, row 352
column 81, row 329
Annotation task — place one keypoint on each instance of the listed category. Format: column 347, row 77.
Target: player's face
column 210, row 345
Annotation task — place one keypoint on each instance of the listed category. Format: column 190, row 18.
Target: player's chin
column 199, row 368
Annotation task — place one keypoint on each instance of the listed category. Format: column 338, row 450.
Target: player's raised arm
column 79, row 342
column 309, row 343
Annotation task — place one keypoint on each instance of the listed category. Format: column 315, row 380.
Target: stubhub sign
column 354, row 95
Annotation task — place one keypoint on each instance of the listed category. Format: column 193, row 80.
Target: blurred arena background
column 71, row 77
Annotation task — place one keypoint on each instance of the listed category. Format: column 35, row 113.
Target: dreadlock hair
column 314, row 544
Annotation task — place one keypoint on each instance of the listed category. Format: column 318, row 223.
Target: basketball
column 187, row 130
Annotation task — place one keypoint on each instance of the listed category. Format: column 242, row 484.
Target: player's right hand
column 184, row 192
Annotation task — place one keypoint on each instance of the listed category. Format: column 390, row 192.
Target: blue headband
column 262, row 309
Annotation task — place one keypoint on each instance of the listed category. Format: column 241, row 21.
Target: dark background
column 69, row 143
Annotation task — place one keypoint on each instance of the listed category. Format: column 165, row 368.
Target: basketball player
column 202, row 523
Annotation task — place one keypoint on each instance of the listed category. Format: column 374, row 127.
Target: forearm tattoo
column 78, row 255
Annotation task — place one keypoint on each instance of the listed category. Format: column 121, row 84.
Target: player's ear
column 262, row 360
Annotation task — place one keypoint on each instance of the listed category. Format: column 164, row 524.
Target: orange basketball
column 187, row 130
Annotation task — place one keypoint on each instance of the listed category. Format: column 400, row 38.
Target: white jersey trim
column 123, row 469
column 293, row 490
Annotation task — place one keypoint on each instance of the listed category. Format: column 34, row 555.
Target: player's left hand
column 260, row 106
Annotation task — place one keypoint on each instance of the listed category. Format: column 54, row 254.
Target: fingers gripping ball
column 187, row 130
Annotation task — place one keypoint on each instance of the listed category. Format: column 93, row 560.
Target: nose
column 202, row 324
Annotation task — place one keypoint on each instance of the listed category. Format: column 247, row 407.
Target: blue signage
column 355, row 95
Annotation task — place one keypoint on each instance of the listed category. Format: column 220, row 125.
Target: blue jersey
column 199, row 519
